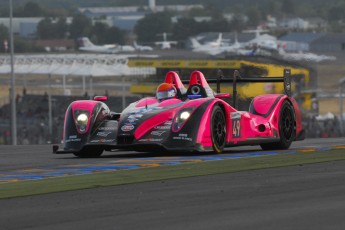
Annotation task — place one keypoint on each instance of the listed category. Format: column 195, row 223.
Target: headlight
column 181, row 117
column 82, row 120
column 184, row 115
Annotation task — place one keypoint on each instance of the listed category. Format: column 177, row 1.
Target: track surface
column 34, row 156
column 298, row 197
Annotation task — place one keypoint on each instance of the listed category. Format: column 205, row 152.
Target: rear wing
column 286, row 79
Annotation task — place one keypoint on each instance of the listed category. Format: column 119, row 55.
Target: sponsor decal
column 134, row 116
column 168, row 122
column 157, row 133
column 183, row 136
column 132, row 121
column 165, row 126
column 106, row 128
column 103, row 141
column 73, row 140
column 144, row 110
column 103, row 134
column 127, row 127
column 162, row 127
column 110, row 140
column 151, row 140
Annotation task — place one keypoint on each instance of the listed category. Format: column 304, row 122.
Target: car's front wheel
column 218, row 129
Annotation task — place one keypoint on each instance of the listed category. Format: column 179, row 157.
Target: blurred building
column 53, row 45
column 294, row 23
column 24, row 27
column 314, row 42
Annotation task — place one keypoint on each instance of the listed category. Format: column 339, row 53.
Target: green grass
column 68, row 183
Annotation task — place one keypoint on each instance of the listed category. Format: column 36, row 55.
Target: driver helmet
column 166, row 91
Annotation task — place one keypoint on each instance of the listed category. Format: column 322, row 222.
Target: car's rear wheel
column 90, row 152
column 287, row 128
column 218, row 129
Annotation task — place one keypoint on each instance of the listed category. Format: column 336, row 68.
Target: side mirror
column 100, row 98
column 114, row 116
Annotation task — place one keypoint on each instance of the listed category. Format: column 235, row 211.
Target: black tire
column 218, row 129
column 90, row 152
column 287, row 128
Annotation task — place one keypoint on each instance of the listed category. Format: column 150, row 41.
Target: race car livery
column 196, row 119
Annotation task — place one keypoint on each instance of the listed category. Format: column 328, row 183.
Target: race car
column 179, row 119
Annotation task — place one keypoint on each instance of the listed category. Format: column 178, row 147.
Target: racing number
column 236, row 128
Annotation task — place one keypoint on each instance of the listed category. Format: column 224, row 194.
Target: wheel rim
column 219, row 130
column 287, row 123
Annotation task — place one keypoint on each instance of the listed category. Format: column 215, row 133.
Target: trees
column 30, row 9
column 185, row 27
column 80, row 26
column 336, row 13
column 48, row 29
column 153, row 24
column 115, row 35
column 45, row 29
column 254, row 16
column 101, row 33
column 237, row 23
column 288, row 7
column 61, row 28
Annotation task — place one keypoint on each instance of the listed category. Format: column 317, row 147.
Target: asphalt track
column 298, row 197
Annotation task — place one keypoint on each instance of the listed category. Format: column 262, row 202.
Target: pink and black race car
column 196, row 119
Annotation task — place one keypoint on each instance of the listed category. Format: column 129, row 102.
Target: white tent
column 67, row 64
column 82, row 65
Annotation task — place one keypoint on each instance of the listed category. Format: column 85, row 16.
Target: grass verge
column 103, row 179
